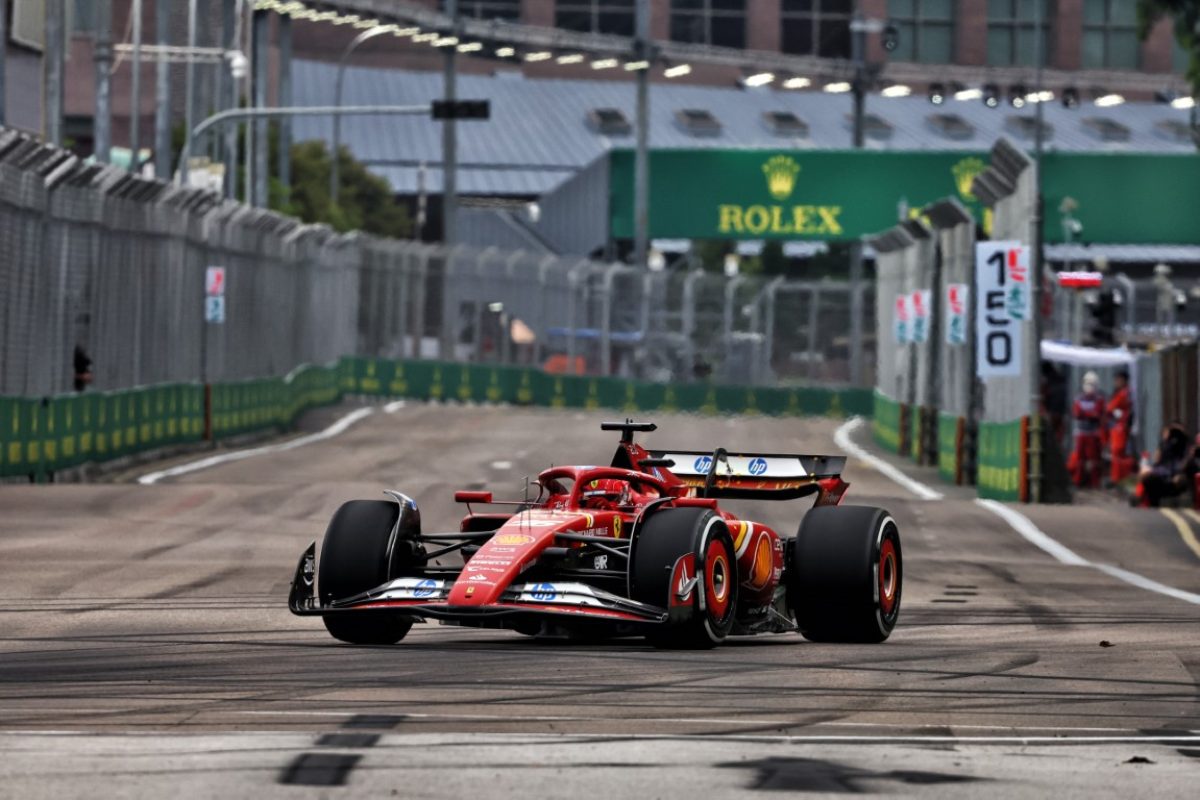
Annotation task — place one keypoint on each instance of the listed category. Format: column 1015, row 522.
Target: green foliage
column 365, row 201
column 1186, row 14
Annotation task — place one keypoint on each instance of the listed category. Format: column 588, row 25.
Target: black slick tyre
column 354, row 559
column 683, row 560
column 846, row 574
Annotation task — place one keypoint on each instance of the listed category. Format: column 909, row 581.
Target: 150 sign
column 1002, row 304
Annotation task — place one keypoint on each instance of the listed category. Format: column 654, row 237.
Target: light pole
column 1035, row 344
column 450, row 138
column 641, row 161
column 334, row 171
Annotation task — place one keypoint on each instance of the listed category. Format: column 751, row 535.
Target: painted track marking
column 842, row 439
column 208, row 462
column 1040, row 539
column 1185, row 530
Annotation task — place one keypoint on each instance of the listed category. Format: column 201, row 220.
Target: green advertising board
column 844, row 194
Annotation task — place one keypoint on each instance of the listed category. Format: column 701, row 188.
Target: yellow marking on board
column 617, row 527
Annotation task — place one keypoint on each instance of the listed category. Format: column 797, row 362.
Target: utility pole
column 135, row 91
column 261, row 34
column 641, row 161
column 285, row 100
column 3, row 52
column 449, row 139
column 102, row 55
column 858, row 44
column 230, row 99
column 52, row 113
column 162, row 93
column 189, row 87
column 1035, row 343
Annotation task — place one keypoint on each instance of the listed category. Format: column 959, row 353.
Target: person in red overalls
column 1119, row 412
column 1088, row 412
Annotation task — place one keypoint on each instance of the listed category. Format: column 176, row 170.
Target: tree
column 365, row 201
column 1186, row 14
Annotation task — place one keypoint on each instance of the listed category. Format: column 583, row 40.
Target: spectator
column 1088, row 412
column 1119, row 413
column 83, row 368
column 1169, row 475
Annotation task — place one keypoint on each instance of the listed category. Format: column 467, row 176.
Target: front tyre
column 846, row 574
column 355, row 559
column 683, row 560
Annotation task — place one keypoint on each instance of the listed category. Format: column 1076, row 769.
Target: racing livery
column 639, row 547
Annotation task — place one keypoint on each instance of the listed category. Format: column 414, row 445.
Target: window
column 951, row 126
column 785, row 123
column 610, row 121
column 1010, row 32
column 1110, row 37
column 1026, row 127
column 816, row 27
column 719, row 22
column 698, row 121
column 617, row 17
column 926, row 29
column 488, row 9
column 1106, row 130
column 82, row 16
column 874, row 127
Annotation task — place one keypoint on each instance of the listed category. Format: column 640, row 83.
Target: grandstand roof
column 543, row 130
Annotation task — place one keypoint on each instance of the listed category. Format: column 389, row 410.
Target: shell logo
column 512, row 538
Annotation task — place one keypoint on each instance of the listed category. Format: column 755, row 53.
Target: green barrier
column 38, row 437
column 948, row 449
column 1000, row 460
column 885, row 422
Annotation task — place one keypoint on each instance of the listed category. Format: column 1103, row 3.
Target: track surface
column 145, row 645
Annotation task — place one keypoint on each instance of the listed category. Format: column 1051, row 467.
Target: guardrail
column 42, row 436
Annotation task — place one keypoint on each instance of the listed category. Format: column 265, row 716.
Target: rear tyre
column 354, row 559
column 683, row 560
column 846, row 574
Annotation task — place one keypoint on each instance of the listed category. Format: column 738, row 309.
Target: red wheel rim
column 889, row 577
column 717, row 579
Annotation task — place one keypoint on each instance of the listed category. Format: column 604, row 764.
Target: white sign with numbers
column 1002, row 304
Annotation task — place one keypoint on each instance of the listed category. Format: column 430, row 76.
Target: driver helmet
column 604, row 493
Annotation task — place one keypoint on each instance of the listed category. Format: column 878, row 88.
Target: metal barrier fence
column 92, row 257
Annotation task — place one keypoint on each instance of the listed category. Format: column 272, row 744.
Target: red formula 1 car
column 640, row 547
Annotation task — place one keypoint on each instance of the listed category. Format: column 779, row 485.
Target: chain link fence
column 100, row 263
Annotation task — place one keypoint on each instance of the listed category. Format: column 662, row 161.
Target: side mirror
column 472, row 497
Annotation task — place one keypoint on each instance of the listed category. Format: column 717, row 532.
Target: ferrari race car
column 641, row 547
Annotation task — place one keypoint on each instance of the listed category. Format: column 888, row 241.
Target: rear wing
column 761, row 476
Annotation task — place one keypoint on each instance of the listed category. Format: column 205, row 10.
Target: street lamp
column 369, row 33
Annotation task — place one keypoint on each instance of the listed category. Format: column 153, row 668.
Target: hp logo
column 703, row 464
column 758, row 466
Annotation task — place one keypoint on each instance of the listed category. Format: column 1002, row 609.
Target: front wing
column 425, row 597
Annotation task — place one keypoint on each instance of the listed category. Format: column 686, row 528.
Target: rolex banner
column 707, row 193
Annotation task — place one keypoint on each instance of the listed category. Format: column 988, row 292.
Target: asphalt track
column 146, row 650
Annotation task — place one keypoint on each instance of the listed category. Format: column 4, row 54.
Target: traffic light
column 1103, row 331
column 461, row 109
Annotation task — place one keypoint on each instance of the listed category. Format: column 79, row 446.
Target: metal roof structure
column 541, row 130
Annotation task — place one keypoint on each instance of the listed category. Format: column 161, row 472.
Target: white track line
column 394, row 406
column 841, row 438
column 1036, row 536
column 238, row 455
